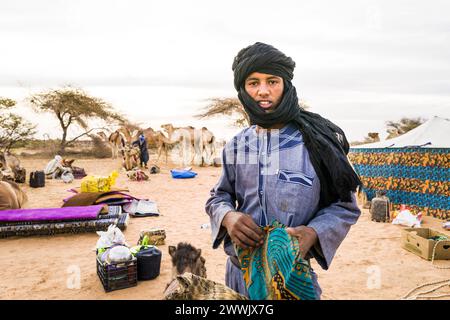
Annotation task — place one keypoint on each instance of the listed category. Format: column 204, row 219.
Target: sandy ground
column 42, row 267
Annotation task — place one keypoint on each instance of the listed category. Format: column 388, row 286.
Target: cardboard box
column 417, row 241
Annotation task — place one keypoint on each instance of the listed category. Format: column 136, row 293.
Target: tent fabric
column 418, row 177
column 413, row 169
column 433, row 133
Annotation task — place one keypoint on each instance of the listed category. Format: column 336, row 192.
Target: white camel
column 189, row 138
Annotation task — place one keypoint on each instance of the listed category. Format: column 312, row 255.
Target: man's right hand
column 243, row 230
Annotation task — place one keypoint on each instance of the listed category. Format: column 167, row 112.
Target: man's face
column 265, row 89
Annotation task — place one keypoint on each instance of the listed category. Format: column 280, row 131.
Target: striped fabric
column 417, row 177
column 275, row 271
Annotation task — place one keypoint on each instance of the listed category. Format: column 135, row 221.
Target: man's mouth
column 265, row 104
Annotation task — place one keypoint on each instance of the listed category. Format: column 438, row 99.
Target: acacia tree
column 13, row 128
column 73, row 107
column 397, row 128
column 231, row 107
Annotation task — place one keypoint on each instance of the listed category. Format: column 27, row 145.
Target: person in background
column 142, row 144
column 55, row 168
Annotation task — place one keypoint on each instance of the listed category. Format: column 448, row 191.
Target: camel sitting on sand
column 130, row 157
column 186, row 258
column 10, row 167
column 11, row 196
column 115, row 142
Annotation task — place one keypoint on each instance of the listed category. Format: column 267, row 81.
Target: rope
column 421, row 295
column 434, row 252
column 440, row 284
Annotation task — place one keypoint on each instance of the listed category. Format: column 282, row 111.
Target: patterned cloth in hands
column 275, row 270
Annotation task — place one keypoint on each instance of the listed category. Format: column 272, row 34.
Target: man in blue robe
column 290, row 165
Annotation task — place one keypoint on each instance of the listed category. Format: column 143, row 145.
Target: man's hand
column 243, row 230
column 306, row 236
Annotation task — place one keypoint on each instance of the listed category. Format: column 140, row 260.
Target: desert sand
column 40, row 267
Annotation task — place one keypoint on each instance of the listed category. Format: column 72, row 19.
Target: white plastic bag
column 406, row 218
column 118, row 254
column 110, row 237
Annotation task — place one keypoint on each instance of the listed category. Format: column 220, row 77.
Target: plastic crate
column 117, row 276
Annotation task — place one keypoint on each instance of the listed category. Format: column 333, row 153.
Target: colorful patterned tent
column 414, row 169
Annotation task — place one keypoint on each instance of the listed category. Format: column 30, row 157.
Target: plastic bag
column 110, row 237
column 406, row 218
column 67, row 177
column 118, row 254
column 182, row 174
column 98, row 183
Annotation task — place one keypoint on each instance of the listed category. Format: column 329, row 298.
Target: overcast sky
column 359, row 63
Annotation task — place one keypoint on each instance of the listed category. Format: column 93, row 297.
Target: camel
column 374, row 136
column 189, row 138
column 186, row 258
column 157, row 139
column 209, row 146
column 130, row 157
column 11, row 196
column 115, row 141
column 10, row 167
column 129, row 136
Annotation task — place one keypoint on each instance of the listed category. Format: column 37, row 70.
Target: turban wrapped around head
column 264, row 58
column 328, row 152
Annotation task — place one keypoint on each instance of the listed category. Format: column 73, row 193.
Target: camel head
column 168, row 127
column 186, row 258
column 102, row 135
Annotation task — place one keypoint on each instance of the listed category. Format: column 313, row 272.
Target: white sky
column 359, row 63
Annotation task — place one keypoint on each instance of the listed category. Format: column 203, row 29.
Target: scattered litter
column 406, row 218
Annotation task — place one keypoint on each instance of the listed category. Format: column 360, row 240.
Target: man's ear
column 172, row 250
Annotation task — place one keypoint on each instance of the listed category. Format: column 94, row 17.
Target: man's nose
column 263, row 90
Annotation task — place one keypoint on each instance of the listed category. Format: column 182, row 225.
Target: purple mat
column 43, row 214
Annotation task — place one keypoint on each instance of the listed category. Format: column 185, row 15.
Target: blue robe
column 268, row 175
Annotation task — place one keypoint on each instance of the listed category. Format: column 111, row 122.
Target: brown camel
column 157, row 139
column 186, row 258
column 115, row 142
column 10, row 167
column 11, row 196
column 130, row 157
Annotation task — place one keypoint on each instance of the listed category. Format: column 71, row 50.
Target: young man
column 289, row 166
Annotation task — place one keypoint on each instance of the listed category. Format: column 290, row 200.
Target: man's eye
column 252, row 84
column 272, row 82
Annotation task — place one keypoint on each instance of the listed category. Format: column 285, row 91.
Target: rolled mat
column 91, row 198
column 114, row 212
column 45, row 214
column 64, row 227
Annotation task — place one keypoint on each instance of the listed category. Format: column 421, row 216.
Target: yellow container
column 98, row 183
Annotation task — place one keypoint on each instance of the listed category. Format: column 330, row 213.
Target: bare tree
column 74, row 107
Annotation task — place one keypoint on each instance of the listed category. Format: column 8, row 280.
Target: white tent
column 434, row 133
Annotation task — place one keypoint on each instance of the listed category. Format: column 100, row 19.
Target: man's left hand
column 306, row 236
